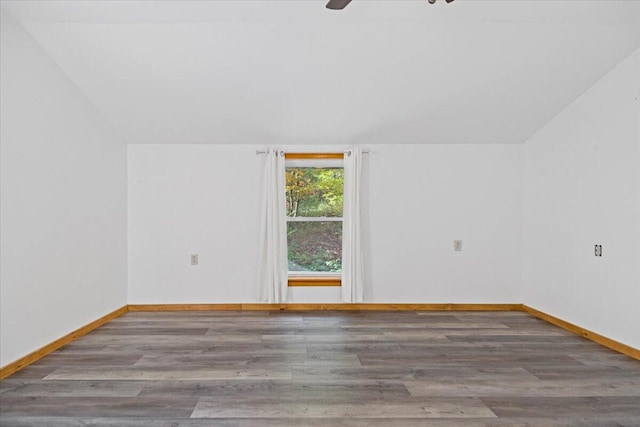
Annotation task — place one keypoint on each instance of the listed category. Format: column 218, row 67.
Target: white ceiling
column 293, row 72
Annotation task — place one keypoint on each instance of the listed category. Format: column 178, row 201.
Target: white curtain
column 272, row 265
column 352, row 269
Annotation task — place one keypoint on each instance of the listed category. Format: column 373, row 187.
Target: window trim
column 314, row 281
column 314, row 218
column 315, row 274
column 310, row 160
column 313, row 156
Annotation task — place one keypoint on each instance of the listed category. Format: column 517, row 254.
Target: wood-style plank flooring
column 326, row 368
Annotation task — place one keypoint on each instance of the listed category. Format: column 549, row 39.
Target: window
column 314, row 197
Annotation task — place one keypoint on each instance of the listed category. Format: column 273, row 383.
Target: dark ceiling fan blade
column 448, row 1
column 337, row 4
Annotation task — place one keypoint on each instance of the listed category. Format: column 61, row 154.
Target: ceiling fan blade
column 337, row 4
column 448, row 1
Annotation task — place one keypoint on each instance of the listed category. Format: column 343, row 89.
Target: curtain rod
column 345, row 152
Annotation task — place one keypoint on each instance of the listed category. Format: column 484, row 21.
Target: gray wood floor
column 325, row 368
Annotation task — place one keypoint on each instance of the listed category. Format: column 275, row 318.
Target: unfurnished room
column 319, row 213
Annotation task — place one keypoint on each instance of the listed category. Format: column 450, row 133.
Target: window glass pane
column 315, row 246
column 314, row 192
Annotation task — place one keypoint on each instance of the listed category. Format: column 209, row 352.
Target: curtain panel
column 352, row 257
column 272, row 263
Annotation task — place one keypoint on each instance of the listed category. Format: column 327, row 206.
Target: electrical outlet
column 457, row 245
column 598, row 250
column 194, row 259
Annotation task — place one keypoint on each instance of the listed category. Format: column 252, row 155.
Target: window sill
column 315, row 281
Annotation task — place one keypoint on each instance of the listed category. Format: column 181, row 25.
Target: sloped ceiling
column 293, row 72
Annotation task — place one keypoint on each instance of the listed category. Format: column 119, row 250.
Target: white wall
column 63, row 215
column 582, row 187
column 205, row 199
column 422, row 197
column 193, row 199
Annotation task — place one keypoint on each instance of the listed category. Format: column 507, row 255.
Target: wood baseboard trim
column 597, row 338
column 38, row 354
column 185, row 307
column 325, row 307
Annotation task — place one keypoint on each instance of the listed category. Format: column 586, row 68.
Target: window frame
column 314, row 160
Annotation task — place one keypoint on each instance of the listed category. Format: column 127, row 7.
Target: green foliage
column 314, row 192
column 315, row 246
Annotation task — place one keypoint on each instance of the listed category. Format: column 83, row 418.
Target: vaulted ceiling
column 293, row 72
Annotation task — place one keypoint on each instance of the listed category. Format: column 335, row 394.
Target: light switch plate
column 194, row 259
column 457, row 245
